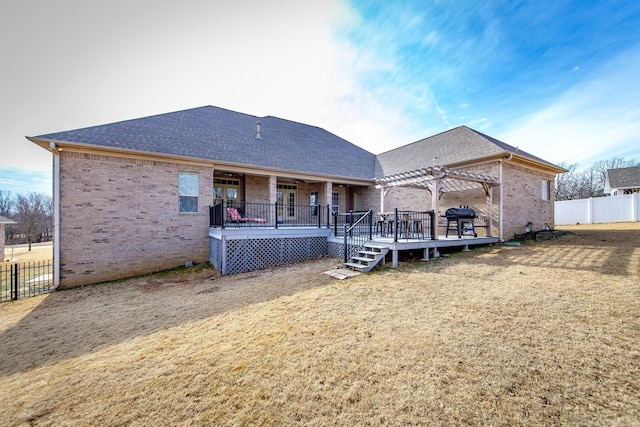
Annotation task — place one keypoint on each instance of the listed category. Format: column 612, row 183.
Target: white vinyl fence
column 598, row 210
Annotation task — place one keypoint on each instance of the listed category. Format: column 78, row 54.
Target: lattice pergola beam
column 451, row 179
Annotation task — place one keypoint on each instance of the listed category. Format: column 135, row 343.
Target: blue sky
column 558, row 79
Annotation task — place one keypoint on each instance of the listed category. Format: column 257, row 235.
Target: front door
column 286, row 197
column 227, row 190
column 358, row 202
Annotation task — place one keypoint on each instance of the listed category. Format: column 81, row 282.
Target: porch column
column 490, row 210
column 273, row 197
column 383, row 193
column 436, row 186
column 488, row 192
column 328, row 192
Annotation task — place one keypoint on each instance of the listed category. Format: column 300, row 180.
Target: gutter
column 502, row 161
column 56, row 215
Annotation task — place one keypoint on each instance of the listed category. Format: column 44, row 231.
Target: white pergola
column 439, row 180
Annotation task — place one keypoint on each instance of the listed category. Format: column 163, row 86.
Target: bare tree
column 566, row 182
column 47, row 216
column 575, row 184
column 31, row 214
column 6, row 203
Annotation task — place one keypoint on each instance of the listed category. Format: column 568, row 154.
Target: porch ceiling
column 450, row 179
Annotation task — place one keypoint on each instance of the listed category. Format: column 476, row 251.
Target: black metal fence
column 26, row 279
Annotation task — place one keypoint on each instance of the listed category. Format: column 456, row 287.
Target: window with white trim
column 227, row 190
column 188, row 186
column 546, row 189
column 313, row 201
column 335, row 202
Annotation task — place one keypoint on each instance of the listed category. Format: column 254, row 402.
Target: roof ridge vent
column 258, row 126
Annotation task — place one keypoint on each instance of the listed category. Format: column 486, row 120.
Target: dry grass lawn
column 540, row 334
column 21, row 253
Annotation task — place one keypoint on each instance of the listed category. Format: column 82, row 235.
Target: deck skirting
column 233, row 251
column 236, row 251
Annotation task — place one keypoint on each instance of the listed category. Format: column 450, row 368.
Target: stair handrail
column 348, row 232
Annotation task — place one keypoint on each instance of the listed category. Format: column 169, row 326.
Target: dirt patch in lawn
column 544, row 333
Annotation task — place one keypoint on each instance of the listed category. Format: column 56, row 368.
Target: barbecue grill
column 462, row 220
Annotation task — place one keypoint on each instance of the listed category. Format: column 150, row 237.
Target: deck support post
column 223, row 261
column 425, row 256
column 394, row 258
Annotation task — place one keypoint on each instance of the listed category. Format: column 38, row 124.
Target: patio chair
column 236, row 217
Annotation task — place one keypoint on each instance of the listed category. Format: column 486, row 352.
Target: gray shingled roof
column 220, row 135
column 456, row 145
column 624, row 177
column 217, row 134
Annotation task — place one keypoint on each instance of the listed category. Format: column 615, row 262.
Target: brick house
column 139, row 195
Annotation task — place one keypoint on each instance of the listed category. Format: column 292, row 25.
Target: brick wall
column 2, row 237
column 256, row 189
column 120, row 217
column 523, row 199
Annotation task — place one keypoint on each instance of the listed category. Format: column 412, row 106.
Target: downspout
column 500, row 209
column 56, row 215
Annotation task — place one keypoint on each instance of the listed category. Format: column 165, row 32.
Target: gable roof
column 624, row 177
column 450, row 148
column 225, row 136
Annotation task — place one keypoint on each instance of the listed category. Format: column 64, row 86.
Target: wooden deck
column 430, row 247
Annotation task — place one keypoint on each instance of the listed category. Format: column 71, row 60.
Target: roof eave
column 549, row 167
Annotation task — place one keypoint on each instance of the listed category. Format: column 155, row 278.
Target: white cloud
column 596, row 119
column 19, row 181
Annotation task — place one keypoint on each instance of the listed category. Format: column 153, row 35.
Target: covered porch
column 439, row 181
column 247, row 235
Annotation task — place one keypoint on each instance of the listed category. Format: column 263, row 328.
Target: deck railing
column 398, row 225
column 340, row 220
column 357, row 233
column 407, row 225
column 234, row 214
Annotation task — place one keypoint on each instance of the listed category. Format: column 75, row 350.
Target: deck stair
column 368, row 257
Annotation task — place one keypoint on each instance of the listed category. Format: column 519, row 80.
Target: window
column 313, row 201
column 546, row 189
column 335, row 202
column 226, row 190
column 188, row 188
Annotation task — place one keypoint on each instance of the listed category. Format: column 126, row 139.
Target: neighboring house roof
column 450, row 148
column 5, row 220
column 623, row 178
column 228, row 137
column 221, row 135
